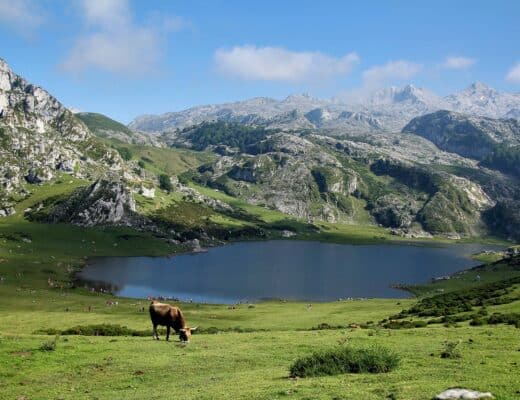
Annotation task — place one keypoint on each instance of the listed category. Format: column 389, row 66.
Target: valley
column 404, row 169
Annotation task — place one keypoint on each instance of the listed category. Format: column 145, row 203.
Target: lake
column 293, row 270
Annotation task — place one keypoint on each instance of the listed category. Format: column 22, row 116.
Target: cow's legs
column 168, row 333
column 155, row 334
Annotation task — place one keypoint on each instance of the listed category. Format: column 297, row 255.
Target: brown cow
column 171, row 317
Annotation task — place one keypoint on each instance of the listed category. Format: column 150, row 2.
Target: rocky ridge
column 40, row 138
column 466, row 135
column 317, row 177
column 387, row 110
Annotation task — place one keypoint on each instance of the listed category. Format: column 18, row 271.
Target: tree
column 125, row 153
column 165, row 183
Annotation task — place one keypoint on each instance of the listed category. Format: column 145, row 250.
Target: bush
column 118, row 330
column 96, row 330
column 125, row 153
column 49, row 345
column 451, row 350
column 476, row 321
column 510, row 319
column 165, row 183
column 393, row 324
column 244, row 137
column 343, row 360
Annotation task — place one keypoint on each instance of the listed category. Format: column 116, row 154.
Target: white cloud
column 278, row 64
column 458, row 62
column 115, row 43
column 514, row 73
column 22, row 16
column 380, row 75
column 111, row 14
column 128, row 51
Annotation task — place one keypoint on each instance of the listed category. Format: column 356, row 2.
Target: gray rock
column 5, row 212
column 466, row 135
column 466, row 394
column 40, row 138
column 102, row 203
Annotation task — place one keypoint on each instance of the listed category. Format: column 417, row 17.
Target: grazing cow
column 171, row 317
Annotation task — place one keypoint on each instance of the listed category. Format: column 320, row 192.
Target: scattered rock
column 466, row 394
column 5, row 212
column 147, row 192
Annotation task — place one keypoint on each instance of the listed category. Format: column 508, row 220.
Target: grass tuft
column 345, row 359
column 49, row 345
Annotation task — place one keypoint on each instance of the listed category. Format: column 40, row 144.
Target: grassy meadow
column 251, row 349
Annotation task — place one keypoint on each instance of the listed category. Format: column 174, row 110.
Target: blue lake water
column 293, row 270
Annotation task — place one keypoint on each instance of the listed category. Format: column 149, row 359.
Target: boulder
column 466, row 394
column 147, row 192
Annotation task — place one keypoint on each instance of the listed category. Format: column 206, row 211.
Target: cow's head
column 185, row 333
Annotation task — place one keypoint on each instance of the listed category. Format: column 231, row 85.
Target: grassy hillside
column 99, row 123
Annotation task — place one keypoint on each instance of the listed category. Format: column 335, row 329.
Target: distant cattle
column 170, row 316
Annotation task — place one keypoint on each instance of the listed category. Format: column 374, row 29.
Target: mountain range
column 387, row 110
column 400, row 161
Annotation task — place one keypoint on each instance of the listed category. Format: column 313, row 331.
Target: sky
column 124, row 58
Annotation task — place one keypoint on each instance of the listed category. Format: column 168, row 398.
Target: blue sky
column 124, row 58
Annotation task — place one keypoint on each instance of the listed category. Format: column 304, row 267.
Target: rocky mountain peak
column 477, row 92
column 481, row 88
column 388, row 109
column 408, row 94
column 298, row 96
column 42, row 138
column 5, row 76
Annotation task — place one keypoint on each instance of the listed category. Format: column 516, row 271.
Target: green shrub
column 165, row 183
column 510, row 319
column 118, row 330
column 49, row 345
column 476, row 321
column 451, row 350
column 343, row 360
column 125, row 153
column 244, row 137
column 96, row 330
column 393, row 324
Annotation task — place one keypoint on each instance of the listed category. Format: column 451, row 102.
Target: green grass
column 254, row 366
column 164, row 160
column 466, row 279
column 99, row 122
column 251, row 365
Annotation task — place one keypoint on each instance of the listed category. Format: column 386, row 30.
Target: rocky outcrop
column 103, row 203
column 468, row 136
column 40, row 138
column 317, row 177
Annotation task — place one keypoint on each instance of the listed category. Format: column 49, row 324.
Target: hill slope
column 466, row 135
column 106, row 127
